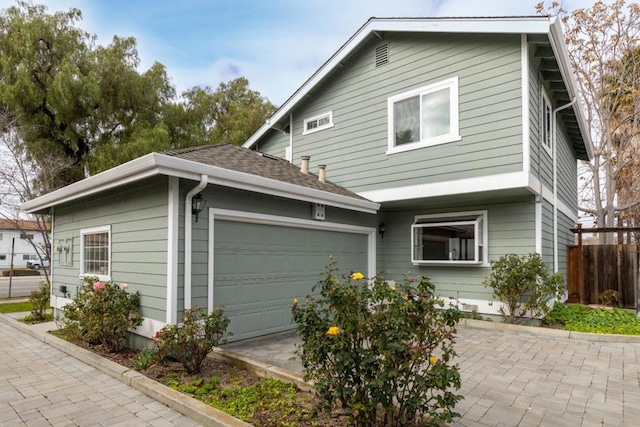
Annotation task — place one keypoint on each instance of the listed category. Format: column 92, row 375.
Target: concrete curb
column 558, row 333
column 188, row 406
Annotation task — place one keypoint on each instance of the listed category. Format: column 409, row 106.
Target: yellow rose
column 393, row 288
column 295, row 300
column 333, row 330
column 433, row 360
column 357, row 276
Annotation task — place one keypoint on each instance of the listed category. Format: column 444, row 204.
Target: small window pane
column 436, row 118
column 96, row 253
column 407, row 120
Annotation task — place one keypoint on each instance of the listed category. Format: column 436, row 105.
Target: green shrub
column 39, row 302
column 580, row 318
column 102, row 313
column 523, row 284
column 191, row 341
column 21, row 272
column 383, row 353
column 608, row 297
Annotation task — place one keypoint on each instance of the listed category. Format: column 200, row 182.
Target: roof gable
column 547, row 26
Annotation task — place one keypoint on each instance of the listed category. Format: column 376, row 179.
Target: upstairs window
column 424, row 116
column 546, row 134
column 450, row 239
column 95, row 252
column 318, row 123
column 25, row 236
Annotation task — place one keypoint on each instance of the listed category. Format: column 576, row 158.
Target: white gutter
column 188, row 227
column 554, row 140
column 161, row 164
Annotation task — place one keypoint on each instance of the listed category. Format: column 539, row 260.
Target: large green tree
column 91, row 107
column 75, row 96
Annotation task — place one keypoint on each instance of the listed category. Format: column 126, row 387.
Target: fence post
column 580, row 265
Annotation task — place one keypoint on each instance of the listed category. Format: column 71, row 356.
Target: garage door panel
column 258, row 274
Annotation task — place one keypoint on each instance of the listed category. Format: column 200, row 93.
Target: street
column 20, row 286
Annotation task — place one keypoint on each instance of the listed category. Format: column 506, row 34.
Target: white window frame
column 95, row 230
column 328, row 115
column 466, row 218
column 546, row 123
column 454, row 130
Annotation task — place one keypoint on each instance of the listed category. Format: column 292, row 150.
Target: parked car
column 36, row 264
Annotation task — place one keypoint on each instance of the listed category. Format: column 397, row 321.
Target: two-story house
column 423, row 146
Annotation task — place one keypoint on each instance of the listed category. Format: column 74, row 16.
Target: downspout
column 555, row 182
column 188, row 228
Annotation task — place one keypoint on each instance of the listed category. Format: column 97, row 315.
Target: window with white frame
column 25, row 236
column 95, row 252
column 3, row 257
column 424, row 116
column 455, row 238
column 546, row 123
column 318, row 123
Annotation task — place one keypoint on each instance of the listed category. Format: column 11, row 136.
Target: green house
column 422, row 146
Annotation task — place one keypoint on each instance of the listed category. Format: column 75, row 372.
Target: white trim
column 449, row 217
column 211, row 262
column 544, row 99
column 162, row 164
column 454, row 187
column 526, row 125
column 95, row 230
column 173, row 231
column 148, row 328
column 329, row 125
column 538, row 223
column 288, row 152
column 283, row 221
column 52, row 257
column 454, row 128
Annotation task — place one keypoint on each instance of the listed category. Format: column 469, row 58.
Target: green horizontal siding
column 354, row 150
column 511, row 228
column 567, row 172
column 547, row 233
column 137, row 215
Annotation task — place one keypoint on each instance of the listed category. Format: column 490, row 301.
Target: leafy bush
column 383, row 353
column 21, row 272
column 580, row 318
column 102, row 313
column 39, row 300
column 191, row 341
column 144, row 359
column 608, row 297
column 523, row 284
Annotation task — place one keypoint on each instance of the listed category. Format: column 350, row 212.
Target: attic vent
column 382, row 54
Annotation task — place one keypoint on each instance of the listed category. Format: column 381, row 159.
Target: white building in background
column 23, row 250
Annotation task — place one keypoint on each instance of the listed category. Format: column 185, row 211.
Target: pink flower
column 98, row 285
column 123, row 286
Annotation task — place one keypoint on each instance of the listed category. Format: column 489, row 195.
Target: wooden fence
column 592, row 269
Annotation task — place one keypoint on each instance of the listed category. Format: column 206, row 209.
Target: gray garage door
column 259, row 269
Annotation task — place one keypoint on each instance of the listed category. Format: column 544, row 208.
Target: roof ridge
column 193, row 149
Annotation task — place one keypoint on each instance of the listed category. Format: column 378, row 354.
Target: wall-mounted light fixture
column 381, row 229
column 197, row 204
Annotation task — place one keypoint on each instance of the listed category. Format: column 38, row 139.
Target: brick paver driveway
column 42, row 386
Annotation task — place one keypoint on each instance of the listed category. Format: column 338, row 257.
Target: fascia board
column 244, row 181
column 556, row 36
column 134, row 170
column 510, row 25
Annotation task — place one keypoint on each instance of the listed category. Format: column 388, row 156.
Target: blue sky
column 276, row 44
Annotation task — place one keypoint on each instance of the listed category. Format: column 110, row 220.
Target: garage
column 261, row 266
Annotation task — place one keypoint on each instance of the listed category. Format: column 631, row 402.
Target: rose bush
column 102, row 313
column 381, row 353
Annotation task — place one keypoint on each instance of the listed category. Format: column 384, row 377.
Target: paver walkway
column 42, row 386
column 520, row 379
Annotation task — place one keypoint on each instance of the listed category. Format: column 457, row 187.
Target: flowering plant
column 383, row 353
column 102, row 313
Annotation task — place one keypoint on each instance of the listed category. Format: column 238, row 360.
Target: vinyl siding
column 567, row 171
column 138, row 219
column 547, row 233
column 565, row 238
column 488, row 68
column 511, row 229
column 535, row 149
column 276, row 142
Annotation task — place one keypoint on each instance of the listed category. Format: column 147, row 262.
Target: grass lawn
column 15, row 307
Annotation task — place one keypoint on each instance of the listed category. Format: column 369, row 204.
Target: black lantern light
column 197, row 204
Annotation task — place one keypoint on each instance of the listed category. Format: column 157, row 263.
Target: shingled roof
column 241, row 159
